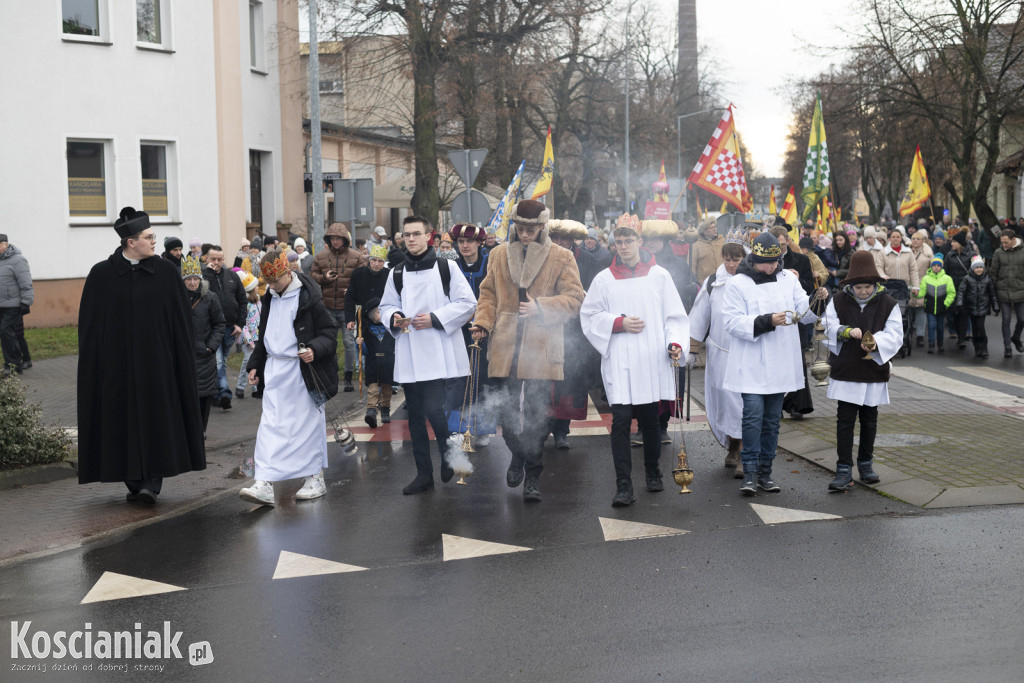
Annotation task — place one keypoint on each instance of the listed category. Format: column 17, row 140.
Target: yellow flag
column 771, row 203
column 725, row 206
column 918, row 190
column 547, row 170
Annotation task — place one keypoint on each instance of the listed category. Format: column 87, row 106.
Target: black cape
column 138, row 406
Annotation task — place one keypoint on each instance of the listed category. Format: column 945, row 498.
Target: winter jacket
column 315, row 328
column 1007, row 271
column 707, row 256
column 843, row 268
column 15, row 279
column 977, row 295
column 228, row 287
column 365, row 285
column 548, row 274
column 343, row 262
column 901, row 266
column 378, row 350
column 938, row 292
column 208, row 325
column 958, row 264
column 922, row 259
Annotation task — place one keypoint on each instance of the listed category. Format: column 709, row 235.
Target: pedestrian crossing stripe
column 114, row 586
column 293, row 565
column 621, row 530
column 993, row 375
column 459, row 548
column 972, row 392
column 777, row 515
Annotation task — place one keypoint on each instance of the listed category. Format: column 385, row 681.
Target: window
column 157, row 161
column 85, row 21
column 256, row 58
column 87, row 178
column 256, row 188
column 147, row 21
column 332, row 87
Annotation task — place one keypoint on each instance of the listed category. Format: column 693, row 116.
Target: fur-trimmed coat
column 549, row 275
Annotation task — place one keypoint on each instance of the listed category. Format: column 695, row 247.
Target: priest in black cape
column 138, row 405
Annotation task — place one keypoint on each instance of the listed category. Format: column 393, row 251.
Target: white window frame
column 109, row 178
column 170, row 146
column 257, row 41
column 103, row 16
column 166, row 33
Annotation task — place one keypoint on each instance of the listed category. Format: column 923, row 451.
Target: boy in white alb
column 634, row 317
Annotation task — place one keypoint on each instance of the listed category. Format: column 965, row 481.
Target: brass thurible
column 868, row 340
column 682, row 474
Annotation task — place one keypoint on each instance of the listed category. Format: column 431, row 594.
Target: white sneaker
column 482, row 441
column 261, row 492
column 312, row 487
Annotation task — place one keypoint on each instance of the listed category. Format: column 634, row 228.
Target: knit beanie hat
column 977, row 262
column 248, row 281
column 299, row 242
column 171, row 242
column 937, row 259
column 938, row 233
column 765, row 249
column 195, row 242
column 961, row 237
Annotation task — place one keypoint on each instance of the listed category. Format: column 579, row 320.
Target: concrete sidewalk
column 50, row 517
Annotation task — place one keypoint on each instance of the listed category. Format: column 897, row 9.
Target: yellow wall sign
column 154, row 197
column 87, row 196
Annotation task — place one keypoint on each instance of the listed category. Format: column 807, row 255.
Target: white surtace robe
column 292, row 438
column 724, row 408
column 636, row 368
column 429, row 354
column 768, row 363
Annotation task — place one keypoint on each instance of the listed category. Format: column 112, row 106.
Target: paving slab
column 1008, row 494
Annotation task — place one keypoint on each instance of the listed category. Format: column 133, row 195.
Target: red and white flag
column 720, row 168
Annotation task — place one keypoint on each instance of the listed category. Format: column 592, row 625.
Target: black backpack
column 446, row 277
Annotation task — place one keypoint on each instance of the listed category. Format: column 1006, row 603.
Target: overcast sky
column 760, row 45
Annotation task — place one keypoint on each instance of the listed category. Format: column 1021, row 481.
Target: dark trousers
column 1005, row 309
column 647, row 424
column 524, row 430
column 204, row 408
column 10, row 321
column 425, row 401
column 978, row 335
column 846, row 415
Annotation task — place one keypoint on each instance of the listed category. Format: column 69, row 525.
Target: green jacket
column 938, row 292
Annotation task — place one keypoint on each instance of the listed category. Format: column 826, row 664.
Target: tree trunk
column 426, row 200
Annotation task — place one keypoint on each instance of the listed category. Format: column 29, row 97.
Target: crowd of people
column 482, row 333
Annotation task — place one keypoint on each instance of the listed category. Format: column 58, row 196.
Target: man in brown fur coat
column 532, row 287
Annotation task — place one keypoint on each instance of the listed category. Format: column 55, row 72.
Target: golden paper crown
column 631, row 221
column 273, row 269
column 190, row 267
column 379, row 251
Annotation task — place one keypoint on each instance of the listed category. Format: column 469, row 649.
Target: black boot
column 516, row 472
column 531, row 490
column 931, row 347
column 348, row 382
column 422, row 482
column 385, row 415
column 941, row 349
column 623, row 494
column 984, row 350
column 371, row 417
column 920, row 342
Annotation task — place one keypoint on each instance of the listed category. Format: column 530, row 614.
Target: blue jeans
column 936, row 328
column 222, row 363
column 761, row 415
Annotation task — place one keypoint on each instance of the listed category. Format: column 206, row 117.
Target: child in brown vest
column 859, row 376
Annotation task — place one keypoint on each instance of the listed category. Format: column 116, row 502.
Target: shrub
column 24, row 440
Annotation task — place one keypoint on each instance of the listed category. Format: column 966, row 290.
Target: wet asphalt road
column 885, row 593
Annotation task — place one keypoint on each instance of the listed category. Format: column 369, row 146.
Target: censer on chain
column 682, row 474
column 468, row 399
column 342, row 434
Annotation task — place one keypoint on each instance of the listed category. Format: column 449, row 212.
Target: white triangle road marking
column 459, row 548
column 114, row 586
column 776, row 515
column 621, row 530
column 293, row 565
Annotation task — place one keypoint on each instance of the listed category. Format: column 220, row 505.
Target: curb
column 36, row 474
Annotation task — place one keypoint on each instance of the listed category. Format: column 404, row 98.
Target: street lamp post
column 679, row 144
